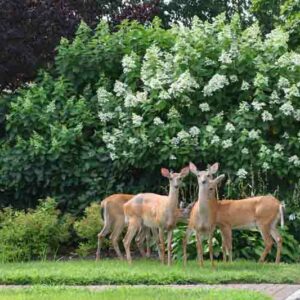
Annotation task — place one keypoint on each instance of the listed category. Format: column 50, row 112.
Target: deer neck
column 173, row 197
column 203, row 200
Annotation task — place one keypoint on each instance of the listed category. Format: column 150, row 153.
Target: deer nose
column 203, row 181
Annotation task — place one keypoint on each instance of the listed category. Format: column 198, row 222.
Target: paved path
column 276, row 291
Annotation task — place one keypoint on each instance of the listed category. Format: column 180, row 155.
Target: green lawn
column 144, row 272
column 61, row 293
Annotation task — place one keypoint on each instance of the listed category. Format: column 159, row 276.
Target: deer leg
column 210, row 246
column 162, row 244
column 170, row 236
column 268, row 241
column 224, row 249
column 278, row 239
column 199, row 248
column 115, row 238
column 184, row 245
column 131, row 231
column 226, row 242
column 140, row 238
column 148, row 242
column 103, row 233
column 156, row 238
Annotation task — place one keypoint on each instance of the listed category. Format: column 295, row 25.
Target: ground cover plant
column 144, row 272
column 63, row 293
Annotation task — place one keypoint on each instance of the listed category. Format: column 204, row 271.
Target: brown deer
column 155, row 211
column 114, row 222
column 262, row 212
column 203, row 215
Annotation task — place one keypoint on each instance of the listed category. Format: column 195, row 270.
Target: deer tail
column 281, row 211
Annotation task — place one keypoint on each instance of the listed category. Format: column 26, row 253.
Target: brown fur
column 114, row 222
column 262, row 212
column 154, row 211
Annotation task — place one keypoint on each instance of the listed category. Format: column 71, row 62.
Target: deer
column 262, row 212
column 203, row 214
column 114, row 222
column 155, row 211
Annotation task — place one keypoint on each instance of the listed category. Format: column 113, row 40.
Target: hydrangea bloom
column 229, row 127
column 266, row 116
column 287, row 108
column 215, row 140
column 242, row 173
column 258, row 105
column 225, row 58
column 128, row 62
column 227, row 143
column 204, row 107
column 137, row 120
column 245, row 151
column 217, row 82
column 184, row 83
column 294, row 160
column 158, row 121
column 245, row 86
column 253, row 134
column 194, row 131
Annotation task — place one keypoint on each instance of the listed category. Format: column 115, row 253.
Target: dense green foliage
column 145, row 272
column 35, row 234
column 124, row 293
column 87, row 228
column 120, row 105
column 247, row 244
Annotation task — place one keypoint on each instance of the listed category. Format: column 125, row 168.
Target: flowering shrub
column 120, row 105
column 35, row 234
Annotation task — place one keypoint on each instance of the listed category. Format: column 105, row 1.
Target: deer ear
column 219, row 179
column 184, row 171
column 165, row 172
column 193, row 168
column 214, row 168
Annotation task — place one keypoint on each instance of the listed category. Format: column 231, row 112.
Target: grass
column 145, row 272
column 62, row 293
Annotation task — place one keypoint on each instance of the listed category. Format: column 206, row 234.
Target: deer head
column 175, row 178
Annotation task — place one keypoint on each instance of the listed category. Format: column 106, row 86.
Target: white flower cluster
column 120, row 88
column 260, row 81
column 227, row 143
column 132, row 100
column 245, row 86
column 137, row 120
column 283, row 83
column 254, row 134
column 103, row 95
column 216, row 83
column 287, row 108
column 215, row 140
column 244, row 107
column 204, row 106
column 245, row 151
column 173, row 113
column 194, row 131
column 258, row 105
column 225, row 58
column 233, row 78
column 184, row 83
column 242, row 173
column 277, row 38
column 266, row 116
column 229, row 127
column 105, row 116
column 294, row 160
column 183, row 135
column 129, row 63
column 158, row 121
